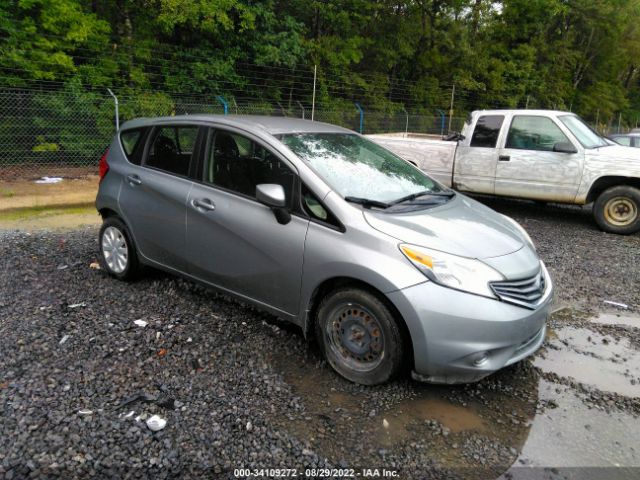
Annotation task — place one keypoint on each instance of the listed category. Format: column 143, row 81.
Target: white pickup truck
column 541, row 155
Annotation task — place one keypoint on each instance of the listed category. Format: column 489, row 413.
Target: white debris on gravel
column 64, row 339
column 156, row 423
column 140, row 323
column 624, row 306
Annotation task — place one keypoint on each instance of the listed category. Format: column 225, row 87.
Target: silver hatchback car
column 324, row 228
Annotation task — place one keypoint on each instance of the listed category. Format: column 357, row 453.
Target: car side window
column 534, row 133
column 237, row 163
column 487, row 131
column 626, row 141
column 133, row 144
column 171, row 149
column 315, row 210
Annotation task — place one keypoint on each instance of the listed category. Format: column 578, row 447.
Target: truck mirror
column 564, row 147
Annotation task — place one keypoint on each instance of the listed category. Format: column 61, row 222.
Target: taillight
column 103, row 166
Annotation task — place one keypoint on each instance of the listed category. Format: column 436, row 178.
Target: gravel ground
column 239, row 389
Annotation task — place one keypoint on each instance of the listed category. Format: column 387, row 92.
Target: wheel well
column 336, row 283
column 603, row 183
column 107, row 212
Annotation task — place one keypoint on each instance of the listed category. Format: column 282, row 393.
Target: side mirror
column 454, row 137
column 272, row 195
column 564, row 147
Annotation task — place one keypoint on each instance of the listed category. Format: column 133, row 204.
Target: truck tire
column 617, row 210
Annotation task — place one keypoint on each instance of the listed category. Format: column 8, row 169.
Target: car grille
column 526, row 293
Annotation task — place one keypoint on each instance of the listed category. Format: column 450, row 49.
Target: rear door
column 529, row 167
column 476, row 158
column 154, row 195
column 235, row 242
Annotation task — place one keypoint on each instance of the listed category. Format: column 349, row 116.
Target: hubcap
column 621, row 211
column 114, row 249
column 355, row 337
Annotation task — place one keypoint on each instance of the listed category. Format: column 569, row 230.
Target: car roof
column 271, row 125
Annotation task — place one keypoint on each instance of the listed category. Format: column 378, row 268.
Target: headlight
column 524, row 233
column 461, row 273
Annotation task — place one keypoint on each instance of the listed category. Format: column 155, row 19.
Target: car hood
column 618, row 152
column 462, row 227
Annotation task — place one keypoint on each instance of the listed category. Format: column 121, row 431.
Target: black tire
column 132, row 266
column 349, row 315
column 617, row 210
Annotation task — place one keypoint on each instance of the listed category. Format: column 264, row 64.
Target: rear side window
column 171, row 149
column 626, row 141
column 132, row 144
column 487, row 131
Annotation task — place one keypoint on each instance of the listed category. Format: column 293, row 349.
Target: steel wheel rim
column 621, row 211
column 355, row 337
column 115, row 250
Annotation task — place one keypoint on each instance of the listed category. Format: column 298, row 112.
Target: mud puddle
column 607, row 362
column 586, row 441
column 410, row 424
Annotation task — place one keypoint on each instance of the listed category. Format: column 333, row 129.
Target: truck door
column 475, row 163
column 538, row 161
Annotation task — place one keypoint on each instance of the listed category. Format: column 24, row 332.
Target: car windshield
column 583, row 132
column 360, row 169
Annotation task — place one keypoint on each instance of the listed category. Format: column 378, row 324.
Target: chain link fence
column 49, row 132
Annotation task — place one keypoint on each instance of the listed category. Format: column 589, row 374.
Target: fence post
column 453, row 94
column 361, row 116
column 619, row 121
column 301, row 107
column 313, row 99
column 115, row 100
column 235, row 104
column 406, row 125
column 224, row 104
column 597, row 120
column 441, row 112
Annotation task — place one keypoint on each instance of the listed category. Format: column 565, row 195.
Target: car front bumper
column 459, row 337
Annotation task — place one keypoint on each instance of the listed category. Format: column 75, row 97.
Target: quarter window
column 487, row 130
column 172, row 148
column 626, row 141
column 534, row 133
column 132, row 144
column 237, row 163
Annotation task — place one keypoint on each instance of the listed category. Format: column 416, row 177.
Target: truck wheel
column 359, row 336
column 617, row 210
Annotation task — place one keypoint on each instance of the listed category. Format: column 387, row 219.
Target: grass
column 6, row 193
column 28, row 213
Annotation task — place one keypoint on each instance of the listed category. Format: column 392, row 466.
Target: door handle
column 134, row 180
column 504, row 158
column 204, row 204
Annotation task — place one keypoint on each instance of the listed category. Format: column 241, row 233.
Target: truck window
column 534, row 133
column 487, row 130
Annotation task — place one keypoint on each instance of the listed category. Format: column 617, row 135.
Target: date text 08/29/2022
column 314, row 473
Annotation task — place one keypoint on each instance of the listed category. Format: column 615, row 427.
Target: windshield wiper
column 367, row 202
column 423, row 193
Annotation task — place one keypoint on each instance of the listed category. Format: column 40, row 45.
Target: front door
column 529, row 167
column 235, row 242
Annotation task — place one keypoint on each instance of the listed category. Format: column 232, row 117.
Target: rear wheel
column 359, row 336
column 117, row 252
column 617, row 210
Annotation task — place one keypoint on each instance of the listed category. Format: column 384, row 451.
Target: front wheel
column 617, row 210
column 359, row 336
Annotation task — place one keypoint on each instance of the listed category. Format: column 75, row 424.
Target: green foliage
column 387, row 55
